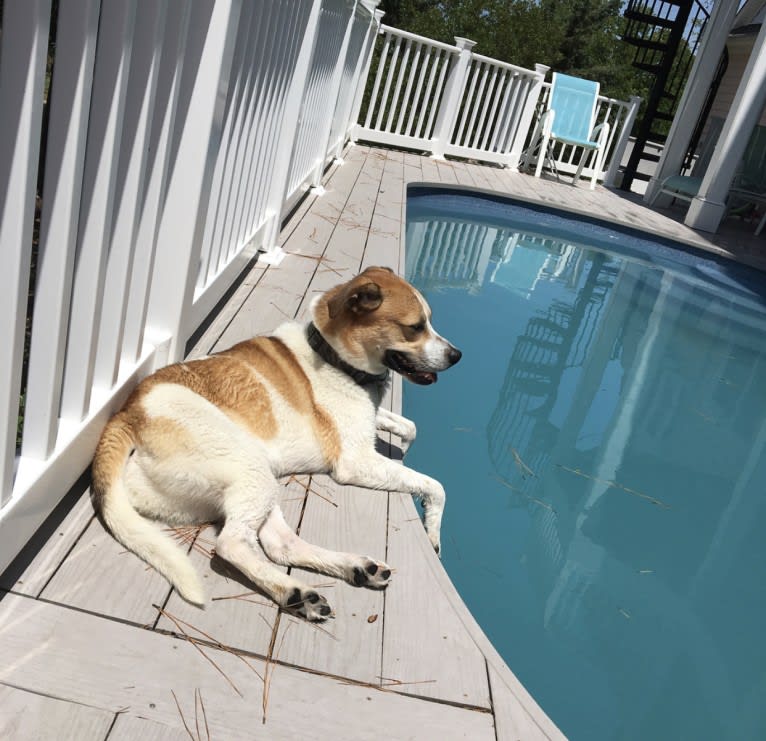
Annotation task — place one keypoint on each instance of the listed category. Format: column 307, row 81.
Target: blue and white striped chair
column 570, row 119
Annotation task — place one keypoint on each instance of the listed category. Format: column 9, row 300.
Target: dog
column 207, row 440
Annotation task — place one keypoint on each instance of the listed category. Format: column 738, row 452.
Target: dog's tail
column 138, row 534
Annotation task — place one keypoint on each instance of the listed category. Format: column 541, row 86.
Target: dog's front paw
column 370, row 573
column 435, row 539
column 308, row 604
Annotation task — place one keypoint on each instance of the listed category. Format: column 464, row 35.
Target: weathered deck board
column 99, row 575
column 384, row 238
column 36, row 575
column 130, row 728
column 346, row 245
column 423, row 636
column 117, row 667
column 25, row 716
column 512, row 721
column 349, row 645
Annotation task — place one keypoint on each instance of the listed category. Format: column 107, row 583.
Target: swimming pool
column 603, row 448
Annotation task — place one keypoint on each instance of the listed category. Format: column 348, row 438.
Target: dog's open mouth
column 401, row 363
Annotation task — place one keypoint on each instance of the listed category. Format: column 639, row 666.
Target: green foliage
column 578, row 37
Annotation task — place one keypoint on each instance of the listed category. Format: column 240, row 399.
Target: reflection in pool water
column 602, row 446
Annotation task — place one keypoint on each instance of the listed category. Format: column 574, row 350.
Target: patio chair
column 569, row 119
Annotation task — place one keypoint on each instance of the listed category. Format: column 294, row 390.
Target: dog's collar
column 322, row 348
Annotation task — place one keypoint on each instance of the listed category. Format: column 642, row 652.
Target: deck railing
column 448, row 100
column 146, row 156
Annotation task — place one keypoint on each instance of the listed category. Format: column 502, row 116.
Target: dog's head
column 378, row 320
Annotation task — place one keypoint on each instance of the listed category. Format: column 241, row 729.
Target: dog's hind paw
column 308, row 604
column 370, row 573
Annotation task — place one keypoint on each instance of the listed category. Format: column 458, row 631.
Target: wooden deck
column 97, row 646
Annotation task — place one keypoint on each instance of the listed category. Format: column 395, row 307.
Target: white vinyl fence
column 146, row 156
column 448, row 100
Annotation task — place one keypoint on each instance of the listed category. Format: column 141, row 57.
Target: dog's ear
column 361, row 299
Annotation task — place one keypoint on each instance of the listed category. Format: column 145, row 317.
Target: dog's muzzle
column 408, row 367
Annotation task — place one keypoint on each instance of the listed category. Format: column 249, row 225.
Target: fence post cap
column 542, row 69
column 462, row 43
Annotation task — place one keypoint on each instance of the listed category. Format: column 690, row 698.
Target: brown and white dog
column 206, row 440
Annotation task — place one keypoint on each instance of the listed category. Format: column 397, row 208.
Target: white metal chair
column 570, row 119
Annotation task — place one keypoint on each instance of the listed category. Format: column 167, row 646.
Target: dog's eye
column 419, row 327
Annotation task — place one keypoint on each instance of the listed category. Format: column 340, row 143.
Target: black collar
column 322, row 348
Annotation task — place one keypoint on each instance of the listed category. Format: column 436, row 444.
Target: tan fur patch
column 229, row 384
column 276, row 362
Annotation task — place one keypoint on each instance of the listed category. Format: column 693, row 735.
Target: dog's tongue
column 422, row 379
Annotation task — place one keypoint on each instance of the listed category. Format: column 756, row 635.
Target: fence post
column 453, row 93
column 622, row 142
column 526, row 118
column 337, row 77
column 274, row 253
column 363, row 70
column 212, row 31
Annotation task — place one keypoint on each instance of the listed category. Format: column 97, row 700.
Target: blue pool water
column 602, row 444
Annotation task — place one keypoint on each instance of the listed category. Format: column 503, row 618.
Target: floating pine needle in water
column 616, row 485
column 704, row 416
column 523, row 467
column 624, row 613
column 502, row 481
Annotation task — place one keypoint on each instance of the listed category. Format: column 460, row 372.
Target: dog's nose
column 454, row 355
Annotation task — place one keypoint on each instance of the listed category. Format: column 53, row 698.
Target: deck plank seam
column 491, row 699
column 48, row 695
column 63, row 558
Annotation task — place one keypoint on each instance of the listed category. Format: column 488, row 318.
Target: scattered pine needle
column 183, row 720
column 309, row 489
column 191, row 534
column 216, row 644
column 243, row 597
column 269, row 672
column 204, row 714
column 616, row 485
column 390, row 682
column 283, row 313
column 198, row 705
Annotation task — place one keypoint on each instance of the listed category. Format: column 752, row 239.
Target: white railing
column 620, row 116
column 138, row 175
column 448, row 100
